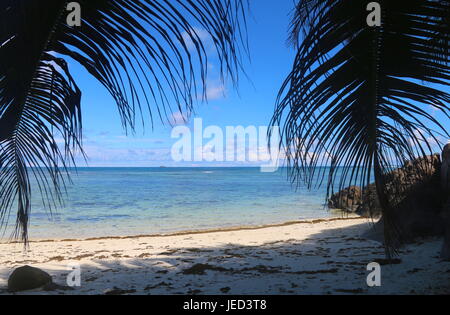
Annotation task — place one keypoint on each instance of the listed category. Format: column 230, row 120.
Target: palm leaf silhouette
column 359, row 98
column 140, row 51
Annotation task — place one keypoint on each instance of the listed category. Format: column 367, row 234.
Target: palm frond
column 147, row 54
column 359, row 97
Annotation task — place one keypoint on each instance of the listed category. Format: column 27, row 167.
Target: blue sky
column 106, row 143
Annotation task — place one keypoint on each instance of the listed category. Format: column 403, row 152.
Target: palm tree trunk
column 391, row 230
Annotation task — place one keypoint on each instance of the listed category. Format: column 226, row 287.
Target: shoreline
column 193, row 232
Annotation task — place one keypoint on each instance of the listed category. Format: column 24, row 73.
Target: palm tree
column 360, row 98
column 147, row 53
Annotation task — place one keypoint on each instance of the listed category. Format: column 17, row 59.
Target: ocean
column 104, row 202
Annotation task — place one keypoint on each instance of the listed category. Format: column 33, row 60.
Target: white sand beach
column 324, row 257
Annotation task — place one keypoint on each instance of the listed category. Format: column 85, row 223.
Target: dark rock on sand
column 445, row 170
column 445, row 251
column 363, row 202
column 419, row 213
column 445, row 186
column 28, row 278
column 370, row 205
column 347, row 199
column 417, row 198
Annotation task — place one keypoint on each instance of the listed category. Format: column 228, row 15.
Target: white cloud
column 197, row 33
column 103, row 156
column 178, row 118
column 215, row 92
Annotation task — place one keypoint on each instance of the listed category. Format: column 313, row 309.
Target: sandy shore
column 325, row 257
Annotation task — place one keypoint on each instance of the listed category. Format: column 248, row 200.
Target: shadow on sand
column 333, row 261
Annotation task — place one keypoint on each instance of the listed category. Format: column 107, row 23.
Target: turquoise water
column 131, row 201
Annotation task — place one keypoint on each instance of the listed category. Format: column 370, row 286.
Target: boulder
column 414, row 175
column 28, row 278
column 370, row 204
column 416, row 196
column 348, row 199
column 445, row 251
column 445, row 170
column 445, row 186
column 419, row 213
